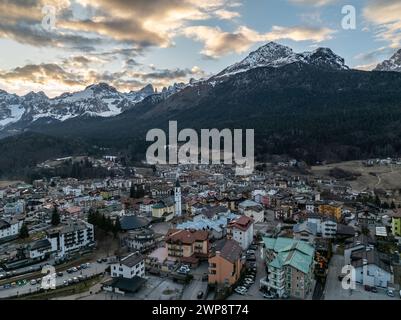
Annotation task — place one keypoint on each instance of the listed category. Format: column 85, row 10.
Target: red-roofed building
column 241, row 230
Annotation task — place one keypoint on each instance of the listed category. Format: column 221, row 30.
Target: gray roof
column 133, row 222
column 373, row 257
column 127, row 285
column 132, row 260
column 229, row 249
column 41, row 244
column 4, row 224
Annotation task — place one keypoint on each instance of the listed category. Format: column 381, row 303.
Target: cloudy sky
column 64, row 45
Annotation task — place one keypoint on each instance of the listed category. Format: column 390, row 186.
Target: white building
column 10, row 227
column 139, row 240
column 325, row 227
column 371, row 268
column 13, row 208
column 241, row 230
column 129, row 267
column 253, row 210
column 40, row 249
column 70, row 191
column 177, row 199
column 71, row 237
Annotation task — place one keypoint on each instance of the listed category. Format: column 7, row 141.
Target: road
column 28, row 288
column 191, row 290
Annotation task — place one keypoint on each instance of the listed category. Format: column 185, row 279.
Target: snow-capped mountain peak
column 276, row 55
column 393, row 64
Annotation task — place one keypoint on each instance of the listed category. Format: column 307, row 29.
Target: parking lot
column 334, row 291
column 27, row 287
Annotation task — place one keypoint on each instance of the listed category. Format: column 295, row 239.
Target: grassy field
column 375, row 177
column 6, row 183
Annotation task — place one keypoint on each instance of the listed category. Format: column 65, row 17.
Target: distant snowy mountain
column 276, row 55
column 393, row 64
column 99, row 100
column 102, row 100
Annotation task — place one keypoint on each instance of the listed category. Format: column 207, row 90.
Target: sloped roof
column 186, row 236
column 229, row 249
column 133, row 222
column 295, row 253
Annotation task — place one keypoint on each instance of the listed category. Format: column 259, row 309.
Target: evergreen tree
column 24, row 233
column 117, row 227
column 55, row 217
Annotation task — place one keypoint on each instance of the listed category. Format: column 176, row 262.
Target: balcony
column 276, row 285
column 277, row 272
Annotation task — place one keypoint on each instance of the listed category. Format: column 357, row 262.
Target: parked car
column 241, row 290
column 285, row 296
column 75, row 279
column 251, row 257
column 65, row 283
column 390, row 293
column 60, row 274
column 33, row 282
column 99, row 261
column 200, row 295
column 368, row 288
column 374, row 289
column 74, row 269
column 268, row 296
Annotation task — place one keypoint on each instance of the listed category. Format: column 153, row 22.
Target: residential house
column 139, row 240
column 10, row 227
column 40, row 249
column 241, row 230
column 12, row 208
column 331, row 209
column 225, row 264
column 253, row 210
column 129, row 267
column 372, row 268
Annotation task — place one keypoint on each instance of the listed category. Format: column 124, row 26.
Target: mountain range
column 308, row 105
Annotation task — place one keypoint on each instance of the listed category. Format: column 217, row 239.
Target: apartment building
column 290, row 266
column 71, row 237
column 187, row 246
